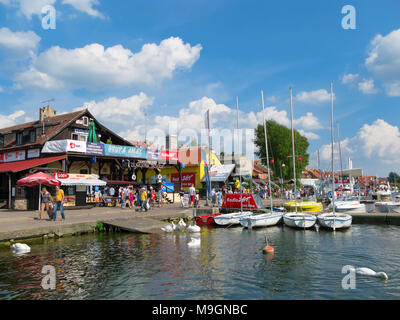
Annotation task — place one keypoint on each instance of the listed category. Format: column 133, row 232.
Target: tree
column 280, row 149
column 394, row 177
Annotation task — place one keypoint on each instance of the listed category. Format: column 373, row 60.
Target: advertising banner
column 14, row 156
column 76, row 146
column 169, row 155
column 124, row 151
column 188, row 178
column 95, row 148
column 35, row 153
column 249, row 201
column 153, row 154
column 168, row 187
column 220, row 173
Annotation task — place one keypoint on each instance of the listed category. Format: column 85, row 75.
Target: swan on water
column 194, row 242
column 194, row 228
column 169, row 228
column 181, row 225
column 21, row 247
column 370, row 273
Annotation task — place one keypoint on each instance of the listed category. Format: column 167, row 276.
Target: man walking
column 143, row 199
column 192, row 195
column 59, row 203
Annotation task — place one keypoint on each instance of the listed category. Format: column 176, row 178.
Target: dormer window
column 19, row 138
column 32, row 136
column 85, row 121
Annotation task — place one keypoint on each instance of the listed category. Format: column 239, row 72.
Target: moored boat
column 206, row 219
column 335, row 220
column 261, row 220
column 299, row 220
column 387, row 207
column 231, row 218
column 311, row 207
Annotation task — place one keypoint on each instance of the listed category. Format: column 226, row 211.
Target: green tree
column 394, row 177
column 280, row 149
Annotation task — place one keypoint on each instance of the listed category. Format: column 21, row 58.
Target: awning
column 67, row 179
column 18, row 166
column 220, row 173
column 115, row 182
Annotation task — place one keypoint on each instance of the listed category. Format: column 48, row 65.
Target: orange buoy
column 268, row 249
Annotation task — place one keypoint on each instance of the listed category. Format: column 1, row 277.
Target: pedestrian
column 219, row 197
column 152, row 197
column 47, row 201
column 131, row 198
column 213, row 197
column 111, row 192
column 160, row 197
column 59, row 203
column 143, row 198
column 192, row 195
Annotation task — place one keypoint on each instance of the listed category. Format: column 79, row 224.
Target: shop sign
column 124, row 151
column 76, row 146
column 188, row 178
column 169, row 155
column 249, row 201
column 95, row 148
column 153, row 154
column 35, row 153
column 14, row 156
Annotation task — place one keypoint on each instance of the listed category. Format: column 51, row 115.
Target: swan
column 370, row 273
column 21, row 247
column 181, row 225
column 194, row 242
column 169, row 228
column 194, row 229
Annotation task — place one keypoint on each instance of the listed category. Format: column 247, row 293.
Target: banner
column 153, row 154
column 35, row 153
column 168, row 187
column 124, row 151
column 220, row 173
column 188, row 178
column 250, row 201
column 76, row 146
column 14, row 156
column 169, row 155
column 95, row 148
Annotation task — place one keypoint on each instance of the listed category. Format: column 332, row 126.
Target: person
column 219, row 197
column 192, row 195
column 152, row 197
column 131, row 198
column 160, row 196
column 59, row 203
column 47, row 200
column 237, row 186
column 143, row 198
column 213, row 197
column 111, row 192
column 121, row 194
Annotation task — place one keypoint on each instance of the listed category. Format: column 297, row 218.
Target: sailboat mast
column 293, row 152
column 266, row 148
column 240, row 169
column 332, row 161
column 340, row 154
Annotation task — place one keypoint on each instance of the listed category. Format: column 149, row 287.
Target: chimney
column 46, row 112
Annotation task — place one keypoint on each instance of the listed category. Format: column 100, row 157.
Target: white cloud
column 345, row 146
column 28, row 7
column 392, row 88
column 95, row 67
column 10, row 120
column 85, row 6
column 309, row 121
column 349, row 78
column 314, row 97
column 125, row 112
column 380, row 138
column 19, row 44
column 367, row 86
column 309, row 135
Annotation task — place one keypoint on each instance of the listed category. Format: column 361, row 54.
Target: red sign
column 169, row 155
column 188, row 178
column 233, row 201
column 1, row 157
column 61, row 175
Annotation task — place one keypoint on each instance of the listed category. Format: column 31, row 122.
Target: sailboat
column 234, row 218
column 297, row 219
column 334, row 220
column 269, row 218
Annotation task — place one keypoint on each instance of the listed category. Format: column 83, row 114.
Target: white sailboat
column 269, row 218
column 334, row 220
column 387, row 207
column 234, row 218
column 297, row 219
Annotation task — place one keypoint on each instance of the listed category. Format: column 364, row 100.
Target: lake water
column 229, row 264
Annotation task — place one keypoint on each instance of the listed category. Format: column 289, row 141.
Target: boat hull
column 231, row 218
column 337, row 221
column 299, row 220
column 311, row 207
column 355, row 207
column 206, row 220
column 387, row 207
column 262, row 220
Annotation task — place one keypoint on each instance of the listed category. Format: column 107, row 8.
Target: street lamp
column 283, row 165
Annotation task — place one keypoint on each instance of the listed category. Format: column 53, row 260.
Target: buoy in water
column 268, row 249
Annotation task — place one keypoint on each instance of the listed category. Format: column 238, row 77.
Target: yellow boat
column 311, row 207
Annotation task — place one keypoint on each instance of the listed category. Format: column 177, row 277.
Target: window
column 32, row 136
column 75, row 136
column 19, row 138
column 85, row 121
column 1, row 141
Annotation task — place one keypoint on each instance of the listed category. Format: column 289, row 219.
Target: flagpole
column 240, row 169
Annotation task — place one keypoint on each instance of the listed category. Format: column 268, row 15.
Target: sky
column 174, row 60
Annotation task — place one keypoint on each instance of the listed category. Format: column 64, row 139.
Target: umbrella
column 38, row 179
column 92, row 133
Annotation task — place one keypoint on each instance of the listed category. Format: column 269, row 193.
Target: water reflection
column 228, row 264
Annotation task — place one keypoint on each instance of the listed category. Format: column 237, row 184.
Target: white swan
column 169, row 228
column 21, row 248
column 194, row 242
column 181, row 225
column 194, row 228
column 370, row 273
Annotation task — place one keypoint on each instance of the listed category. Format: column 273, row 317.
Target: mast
column 240, row 169
column 266, row 148
column 340, row 154
column 293, row 153
column 332, row 161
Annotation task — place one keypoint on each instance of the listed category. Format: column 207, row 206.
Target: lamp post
column 283, row 165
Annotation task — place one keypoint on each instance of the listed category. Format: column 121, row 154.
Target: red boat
column 206, row 220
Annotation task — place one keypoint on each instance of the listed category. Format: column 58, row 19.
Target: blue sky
column 203, row 55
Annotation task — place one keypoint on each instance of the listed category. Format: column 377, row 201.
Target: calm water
column 228, row 265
